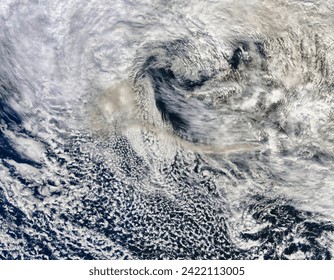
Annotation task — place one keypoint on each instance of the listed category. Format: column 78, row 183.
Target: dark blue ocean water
column 144, row 130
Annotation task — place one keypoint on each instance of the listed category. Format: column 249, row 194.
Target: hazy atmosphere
column 166, row 129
